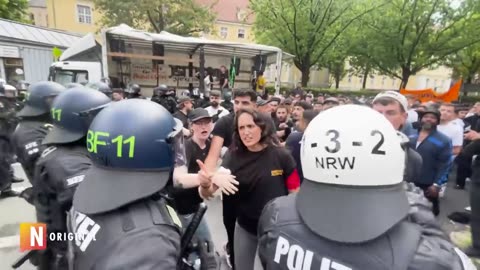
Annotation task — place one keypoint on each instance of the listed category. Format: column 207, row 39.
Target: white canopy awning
column 191, row 44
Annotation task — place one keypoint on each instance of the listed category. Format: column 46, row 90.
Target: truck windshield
column 70, row 76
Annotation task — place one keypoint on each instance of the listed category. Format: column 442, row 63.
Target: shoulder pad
column 436, row 253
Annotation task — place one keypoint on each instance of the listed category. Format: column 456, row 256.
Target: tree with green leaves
column 407, row 36
column 307, row 29
column 15, row 10
column 181, row 17
column 466, row 63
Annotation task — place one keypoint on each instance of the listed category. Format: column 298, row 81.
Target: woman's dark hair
column 262, row 120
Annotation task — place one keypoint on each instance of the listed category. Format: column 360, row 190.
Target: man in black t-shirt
column 187, row 200
column 222, row 137
column 283, row 123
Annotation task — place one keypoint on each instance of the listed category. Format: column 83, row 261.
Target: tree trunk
column 337, row 81
column 365, row 76
column 305, row 75
column 406, row 72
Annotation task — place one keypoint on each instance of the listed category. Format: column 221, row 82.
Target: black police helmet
column 160, row 90
column 430, row 110
column 37, row 102
column 134, row 157
column 72, row 112
column 102, row 87
column 73, row 85
column 22, row 86
column 134, row 89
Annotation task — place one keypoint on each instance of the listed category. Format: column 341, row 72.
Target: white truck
column 128, row 56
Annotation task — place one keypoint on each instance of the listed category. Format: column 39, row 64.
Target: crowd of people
column 325, row 182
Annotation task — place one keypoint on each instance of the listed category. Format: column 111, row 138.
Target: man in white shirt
column 450, row 127
column 215, row 110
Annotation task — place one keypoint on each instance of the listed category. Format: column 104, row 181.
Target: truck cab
column 66, row 72
column 81, row 63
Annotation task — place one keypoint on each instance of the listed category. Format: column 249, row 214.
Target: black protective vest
column 286, row 243
column 58, row 173
column 108, row 229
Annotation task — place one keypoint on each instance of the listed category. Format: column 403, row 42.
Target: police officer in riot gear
column 22, row 88
column 35, row 122
column 352, row 210
column 7, row 126
column 162, row 96
column 102, row 87
column 62, row 167
column 118, row 208
column 73, row 85
column 227, row 101
column 134, row 91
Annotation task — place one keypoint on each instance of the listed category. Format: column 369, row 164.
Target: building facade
column 26, row 51
column 438, row 78
column 38, row 12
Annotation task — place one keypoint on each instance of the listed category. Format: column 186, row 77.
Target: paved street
column 14, row 211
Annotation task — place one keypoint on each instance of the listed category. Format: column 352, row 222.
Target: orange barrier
column 426, row 95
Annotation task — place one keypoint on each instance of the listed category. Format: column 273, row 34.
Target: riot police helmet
column 10, row 91
column 39, row 98
column 133, row 89
column 353, row 164
column 22, row 86
column 430, row 110
column 73, row 85
column 72, row 112
column 160, row 90
column 135, row 158
column 102, row 87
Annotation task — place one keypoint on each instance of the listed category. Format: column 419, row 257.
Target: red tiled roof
column 227, row 10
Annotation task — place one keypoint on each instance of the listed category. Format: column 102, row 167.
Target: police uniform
column 418, row 242
column 7, row 125
column 27, row 143
column 62, row 166
column 34, row 124
column 142, row 235
column 346, row 215
column 118, row 212
column 58, row 172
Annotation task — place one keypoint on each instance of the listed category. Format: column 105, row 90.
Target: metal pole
column 202, row 70
column 278, row 75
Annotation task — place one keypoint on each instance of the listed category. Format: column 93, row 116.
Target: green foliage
column 407, row 36
column 307, row 29
column 15, row 10
column 466, row 63
column 182, row 17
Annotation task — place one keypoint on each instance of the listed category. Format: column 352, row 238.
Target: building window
column 394, row 81
column 84, row 14
column 383, row 80
column 372, row 80
column 32, row 18
column 427, row 82
column 241, row 33
column 224, row 32
column 349, row 78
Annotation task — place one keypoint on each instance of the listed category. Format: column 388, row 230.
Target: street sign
column 9, row 52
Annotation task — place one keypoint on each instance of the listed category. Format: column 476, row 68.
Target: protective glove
column 208, row 257
column 225, row 181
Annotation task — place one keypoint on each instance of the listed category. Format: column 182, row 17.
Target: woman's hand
column 226, row 182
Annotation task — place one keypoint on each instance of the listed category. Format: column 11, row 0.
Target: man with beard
column 436, row 151
column 185, row 106
column 283, row 123
column 298, row 110
column 215, row 110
